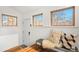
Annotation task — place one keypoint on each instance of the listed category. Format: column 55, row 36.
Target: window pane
column 14, row 21
column 63, row 17
column 38, row 19
column 5, row 20
column 9, row 20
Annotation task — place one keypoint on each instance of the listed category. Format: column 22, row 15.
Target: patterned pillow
column 67, row 41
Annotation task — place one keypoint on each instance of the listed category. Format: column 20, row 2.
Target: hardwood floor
column 23, row 48
column 33, row 48
column 15, row 49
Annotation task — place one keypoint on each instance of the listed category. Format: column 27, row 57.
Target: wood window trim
column 73, row 7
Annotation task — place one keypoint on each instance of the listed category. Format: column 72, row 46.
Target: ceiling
column 26, row 9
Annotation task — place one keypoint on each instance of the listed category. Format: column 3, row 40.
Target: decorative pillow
column 48, row 44
column 51, row 39
column 71, row 43
column 68, row 41
column 56, row 37
column 65, row 44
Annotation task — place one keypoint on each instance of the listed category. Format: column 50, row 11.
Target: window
column 38, row 20
column 8, row 20
column 64, row 17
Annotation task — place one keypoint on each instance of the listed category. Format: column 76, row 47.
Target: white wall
column 13, row 35
column 77, row 22
column 42, row 32
column 8, row 41
column 9, row 36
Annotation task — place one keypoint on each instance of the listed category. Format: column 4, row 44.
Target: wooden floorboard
column 15, row 49
column 33, row 48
